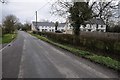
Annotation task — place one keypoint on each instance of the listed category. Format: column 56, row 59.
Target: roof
column 95, row 21
column 48, row 24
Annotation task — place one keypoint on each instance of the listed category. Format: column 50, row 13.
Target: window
column 52, row 30
column 97, row 26
column 42, row 29
column 102, row 31
column 62, row 30
column 89, row 30
column 101, row 26
column 45, row 29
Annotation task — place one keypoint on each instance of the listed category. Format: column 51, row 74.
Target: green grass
column 107, row 61
column 7, row 38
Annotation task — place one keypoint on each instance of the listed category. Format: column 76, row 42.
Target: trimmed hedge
column 106, row 45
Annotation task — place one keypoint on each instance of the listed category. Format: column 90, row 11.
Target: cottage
column 94, row 25
column 47, row 26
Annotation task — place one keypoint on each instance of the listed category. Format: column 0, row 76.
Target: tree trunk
column 76, row 40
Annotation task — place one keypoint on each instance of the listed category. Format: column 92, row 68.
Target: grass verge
column 107, row 61
column 7, row 38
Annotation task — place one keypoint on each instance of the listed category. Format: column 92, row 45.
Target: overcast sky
column 25, row 10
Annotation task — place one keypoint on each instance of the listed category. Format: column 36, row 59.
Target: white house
column 93, row 25
column 47, row 26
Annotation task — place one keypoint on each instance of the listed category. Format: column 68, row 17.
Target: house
column 92, row 25
column 47, row 26
column 68, row 28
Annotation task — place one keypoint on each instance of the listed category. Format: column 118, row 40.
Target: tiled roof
column 48, row 24
column 95, row 21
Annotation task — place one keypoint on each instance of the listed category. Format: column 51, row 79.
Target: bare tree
column 3, row 1
column 104, row 10
column 61, row 8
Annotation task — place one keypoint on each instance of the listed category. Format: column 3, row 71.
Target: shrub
column 108, row 45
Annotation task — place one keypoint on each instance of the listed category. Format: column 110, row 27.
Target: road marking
column 20, row 75
column 6, row 46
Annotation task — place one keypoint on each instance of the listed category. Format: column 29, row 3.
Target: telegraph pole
column 36, row 19
column 36, row 22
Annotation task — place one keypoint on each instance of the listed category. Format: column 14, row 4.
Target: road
column 29, row 57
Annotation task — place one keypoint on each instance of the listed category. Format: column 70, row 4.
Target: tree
column 105, row 10
column 3, row 1
column 56, row 25
column 9, row 23
column 79, row 13
column 26, row 27
column 19, row 25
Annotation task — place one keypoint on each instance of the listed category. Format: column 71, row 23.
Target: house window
column 62, row 30
column 102, row 30
column 97, row 26
column 101, row 26
column 42, row 29
column 52, row 30
column 45, row 29
column 97, row 29
column 89, row 30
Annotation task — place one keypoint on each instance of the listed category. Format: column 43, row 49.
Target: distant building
column 92, row 25
column 47, row 26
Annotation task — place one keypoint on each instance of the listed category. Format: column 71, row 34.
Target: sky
column 24, row 10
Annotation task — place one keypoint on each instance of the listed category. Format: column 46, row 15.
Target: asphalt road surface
column 29, row 57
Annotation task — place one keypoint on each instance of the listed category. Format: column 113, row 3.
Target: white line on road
column 20, row 75
column 6, row 46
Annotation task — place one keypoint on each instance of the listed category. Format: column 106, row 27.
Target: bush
column 107, row 45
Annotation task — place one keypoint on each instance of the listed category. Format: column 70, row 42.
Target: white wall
column 33, row 28
column 50, row 28
column 93, row 27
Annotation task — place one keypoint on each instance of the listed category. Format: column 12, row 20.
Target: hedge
column 106, row 45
